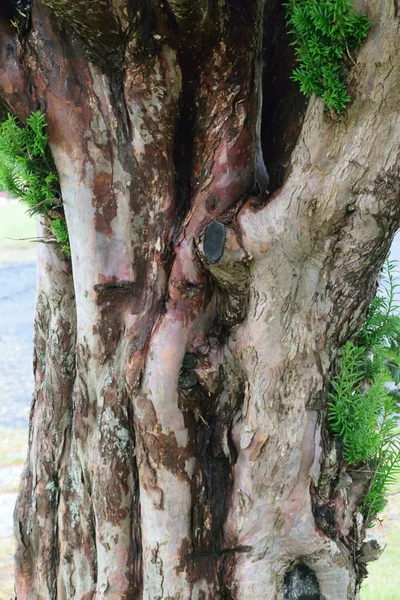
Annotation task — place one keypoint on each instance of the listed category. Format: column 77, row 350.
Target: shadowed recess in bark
column 96, row 24
column 10, row 9
column 183, row 146
column 284, row 106
column 301, row 584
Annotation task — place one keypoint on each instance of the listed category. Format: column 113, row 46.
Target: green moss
column 325, row 33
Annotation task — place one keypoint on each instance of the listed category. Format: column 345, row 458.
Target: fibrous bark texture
column 182, row 357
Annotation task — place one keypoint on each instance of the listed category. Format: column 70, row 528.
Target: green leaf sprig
column 324, row 33
column 363, row 410
column 28, row 174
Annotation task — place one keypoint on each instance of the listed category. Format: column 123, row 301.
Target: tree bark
column 178, row 442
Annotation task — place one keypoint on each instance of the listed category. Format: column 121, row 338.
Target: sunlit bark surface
column 178, row 439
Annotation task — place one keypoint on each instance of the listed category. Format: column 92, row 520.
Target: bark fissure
column 282, row 119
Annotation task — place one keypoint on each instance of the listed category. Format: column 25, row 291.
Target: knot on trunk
column 224, row 257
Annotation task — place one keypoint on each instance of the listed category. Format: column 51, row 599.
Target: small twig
column 56, row 201
column 39, row 240
column 16, row 23
column 203, row 420
column 350, row 56
column 392, row 493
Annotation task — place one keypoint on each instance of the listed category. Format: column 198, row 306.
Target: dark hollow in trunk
column 301, row 584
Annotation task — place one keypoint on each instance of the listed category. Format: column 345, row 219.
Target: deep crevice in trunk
column 284, row 106
column 184, row 135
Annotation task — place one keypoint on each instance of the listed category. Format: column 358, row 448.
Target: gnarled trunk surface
column 182, row 357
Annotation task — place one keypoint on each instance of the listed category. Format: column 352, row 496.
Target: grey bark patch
column 301, row 584
column 214, row 241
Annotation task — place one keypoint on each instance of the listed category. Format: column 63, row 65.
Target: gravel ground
column 7, row 503
column 17, row 299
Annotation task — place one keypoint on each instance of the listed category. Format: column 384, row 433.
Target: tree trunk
column 178, row 442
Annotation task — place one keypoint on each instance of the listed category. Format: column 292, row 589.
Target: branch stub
column 214, row 242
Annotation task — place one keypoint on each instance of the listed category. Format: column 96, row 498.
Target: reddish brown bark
column 178, row 424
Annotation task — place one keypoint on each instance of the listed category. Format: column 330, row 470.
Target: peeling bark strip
column 178, row 442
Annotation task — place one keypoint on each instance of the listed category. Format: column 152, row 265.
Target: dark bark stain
column 111, row 291
column 163, row 449
column 185, row 554
column 325, row 519
column 115, row 299
column 148, row 413
column 210, row 488
column 14, row 75
column 104, row 202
